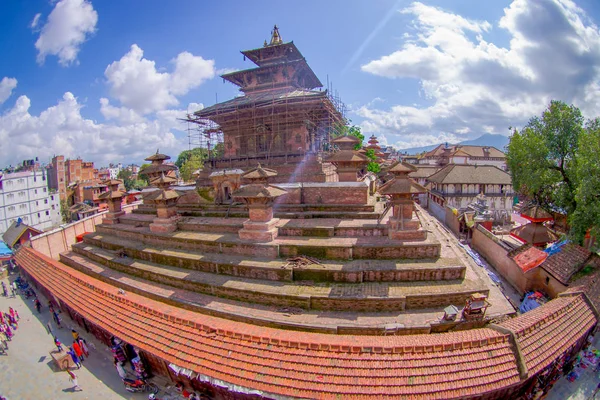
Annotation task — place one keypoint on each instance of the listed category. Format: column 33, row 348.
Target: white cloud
column 123, row 115
column 475, row 86
column 68, row 26
column 61, row 129
column 138, row 85
column 6, row 87
column 35, row 21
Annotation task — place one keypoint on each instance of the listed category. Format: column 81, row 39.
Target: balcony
column 469, row 194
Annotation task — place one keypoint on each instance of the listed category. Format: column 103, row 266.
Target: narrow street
column 28, row 371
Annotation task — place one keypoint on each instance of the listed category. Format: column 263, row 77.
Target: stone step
column 320, row 227
column 392, row 296
column 341, row 248
column 279, row 269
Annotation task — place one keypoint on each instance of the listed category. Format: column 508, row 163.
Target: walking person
column 4, row 292
column 3, row 340
column 58, row 344
column 13, row 289
column 81, row 342
column 56, row 319
column 73, row 379
column 74, row 357
column 38, row 305
column 75, row 334
column 77, row 349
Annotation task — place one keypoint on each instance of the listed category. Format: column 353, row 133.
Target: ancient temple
column 282, row 119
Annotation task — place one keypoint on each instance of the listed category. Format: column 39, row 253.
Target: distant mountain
column 497, row 141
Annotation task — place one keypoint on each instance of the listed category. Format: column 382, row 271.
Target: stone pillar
column 261, row 226
column 347, row 173
column 114, row 211
column 403, row 224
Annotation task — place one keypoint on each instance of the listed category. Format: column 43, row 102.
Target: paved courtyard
column 27, row 371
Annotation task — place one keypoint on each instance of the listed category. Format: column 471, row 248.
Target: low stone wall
column 451, row 221
column 495, row 252
column 437, row 211
column 59, row 240
column 325, row 193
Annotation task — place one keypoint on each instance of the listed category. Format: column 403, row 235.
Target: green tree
column 341, row 129
column 542, row 157
column 373, row 167
column 189, row 167
column 185, row 155
column 143, row 177
column 64, row 212
column 587, row 213
column 125, row 176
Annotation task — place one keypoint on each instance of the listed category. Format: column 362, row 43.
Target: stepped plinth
column 259, row 196
column 165, row 201
column 403, row 224
column 114, row 198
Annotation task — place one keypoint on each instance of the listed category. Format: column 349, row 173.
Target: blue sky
column 106, row 81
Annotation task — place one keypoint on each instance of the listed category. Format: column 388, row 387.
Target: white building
column 26, row 195
column 464, row 154
column 114, row 170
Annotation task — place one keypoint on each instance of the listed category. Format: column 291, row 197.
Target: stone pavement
column 27, row 371
column 582, row 388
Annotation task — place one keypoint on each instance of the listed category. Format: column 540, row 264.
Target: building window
column 35, row 191
column 547, row 280
column 53, row 207
column 21, row 194
column 39, row 215
column 45, row 190
column 11, row 208
column 47, row 212
column 45, row 201
column 51, row 197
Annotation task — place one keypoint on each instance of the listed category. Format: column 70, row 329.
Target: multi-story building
column 57, row 176
column 26, row 195
column 457, row 186
column 62, row 173
column 114, row 170
column 446, row 154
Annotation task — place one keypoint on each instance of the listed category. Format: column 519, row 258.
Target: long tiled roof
column 550, row 330
column 290, row 364
column 471, row 174
column 471, row 150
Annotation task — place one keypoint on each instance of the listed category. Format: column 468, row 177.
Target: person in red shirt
column 77, row 350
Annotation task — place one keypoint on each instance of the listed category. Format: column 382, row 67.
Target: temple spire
column 275, row 37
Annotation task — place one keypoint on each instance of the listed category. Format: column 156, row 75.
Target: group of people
column 78, row 350
column 12, row 287
column 9, row 322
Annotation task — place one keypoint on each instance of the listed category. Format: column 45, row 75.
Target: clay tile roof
column 534, row 233
column 550, row 330
column 112, row 182
column 156, row 168
column 346, row 139
column 158, row 157
column 471, row 174
column 570, row 259
column 14, row 233
column 527, row 257
column 402, row 186
column 536, row 213
column 259, row 173
column 163, row 179
column 347, row 156
column 402, row 167
column 286, row 363
column 112, row 194
column 424, row 172
column 161, row 195
column 259, row 191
